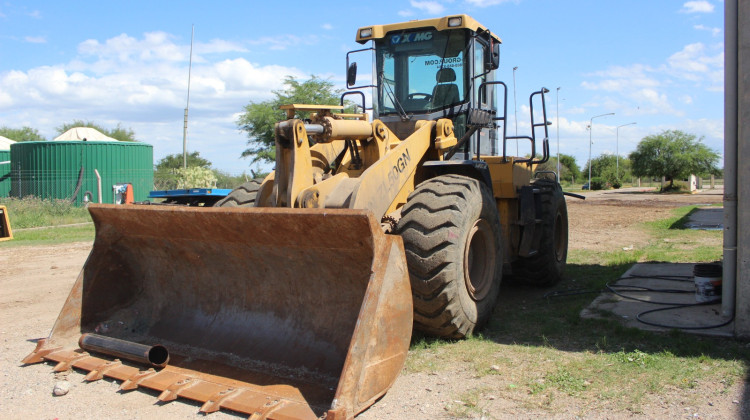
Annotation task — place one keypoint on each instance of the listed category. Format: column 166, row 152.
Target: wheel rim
column 479, row 260
column 559, row 238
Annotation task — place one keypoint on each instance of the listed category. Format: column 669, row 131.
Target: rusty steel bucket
column 274, row 312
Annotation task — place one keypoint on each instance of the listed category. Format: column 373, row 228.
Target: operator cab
column 432, row 69
column 442, row 68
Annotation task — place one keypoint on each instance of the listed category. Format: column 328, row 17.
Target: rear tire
column 546, row 268
column 452, row 236
column 242, row 196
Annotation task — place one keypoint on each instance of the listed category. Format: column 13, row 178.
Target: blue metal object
column 192, row 192
column 205, row 197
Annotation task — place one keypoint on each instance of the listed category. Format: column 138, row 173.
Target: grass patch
column 670, row 241
column 537, row 350
column 49, row 236
column 677, row 221
column 32, row 212
column 673, row 242
column 42, row 222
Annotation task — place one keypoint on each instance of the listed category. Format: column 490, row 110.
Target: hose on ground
column 620, row 291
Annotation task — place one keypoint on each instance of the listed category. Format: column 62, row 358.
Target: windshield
column 421, row 71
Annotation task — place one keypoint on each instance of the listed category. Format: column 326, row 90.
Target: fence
column 74, row 185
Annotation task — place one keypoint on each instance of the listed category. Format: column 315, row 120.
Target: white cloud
column 714, row 31
column 430, row 7
column 621, row 78
column 218, row 46
column 712, row 129
column 36, row 39
column 327, row 26
column 651, row 90
column 155, row 46
column 405, row 13
column 698, row 63
column 141, row 82
column 697, row 7
column 36, row 14
column 280, row 43
column 653, row 101
column 488, row 3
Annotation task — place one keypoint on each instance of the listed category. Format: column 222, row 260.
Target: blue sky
column 656, row 63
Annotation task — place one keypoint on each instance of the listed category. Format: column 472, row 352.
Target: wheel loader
column 296, row 297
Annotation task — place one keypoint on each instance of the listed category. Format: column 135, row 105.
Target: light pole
column 515, row 106
column 617, row 147
column 557, row 117
column 591, row 128
column 187, row 106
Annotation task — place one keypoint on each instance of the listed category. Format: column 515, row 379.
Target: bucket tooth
column 215, row 401
column 100, row 371
column 261, row 405
column 65, row 365
column 39, row 353
column 173, row 391
column 132, row 382
column 268, row 409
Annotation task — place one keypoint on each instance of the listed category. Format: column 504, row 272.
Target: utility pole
column 185, row 124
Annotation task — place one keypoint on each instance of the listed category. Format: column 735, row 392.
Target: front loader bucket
column 274, row 312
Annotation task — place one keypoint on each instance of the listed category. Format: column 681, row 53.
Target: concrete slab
column 660, row 277
column 711, row 218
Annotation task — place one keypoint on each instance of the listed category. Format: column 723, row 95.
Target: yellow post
column 6, row 233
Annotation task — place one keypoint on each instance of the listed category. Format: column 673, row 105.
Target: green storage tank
column 53, row 169
column 4, row 173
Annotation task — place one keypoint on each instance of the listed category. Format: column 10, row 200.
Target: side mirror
column 494, row 58
column 351, row 75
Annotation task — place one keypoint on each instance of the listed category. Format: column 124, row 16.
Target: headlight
column 454, row 22
column 365, row 33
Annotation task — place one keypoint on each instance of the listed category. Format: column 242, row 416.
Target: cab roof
column 440, row 24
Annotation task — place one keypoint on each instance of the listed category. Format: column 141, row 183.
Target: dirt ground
column 34, row 282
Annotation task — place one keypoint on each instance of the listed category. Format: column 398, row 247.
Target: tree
column 259, row 118
column 175, row 161
column 21, row 134
column 673, row 154
column 568, row 167
column 117, row 133
column 569, row 162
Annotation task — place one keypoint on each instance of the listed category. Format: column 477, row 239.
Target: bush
column 598, row 184
column 184, row 178
column 617, row 183
column 226, row 180
column 195, row 177
column 676, row 187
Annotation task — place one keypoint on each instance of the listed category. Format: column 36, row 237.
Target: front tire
column 242, row 196
column 452, row 236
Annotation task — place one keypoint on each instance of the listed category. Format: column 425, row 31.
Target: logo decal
column 412, row 37
column 401, row 164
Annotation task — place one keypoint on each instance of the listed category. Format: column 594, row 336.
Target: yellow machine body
column 302, row 305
